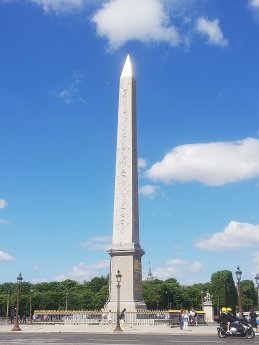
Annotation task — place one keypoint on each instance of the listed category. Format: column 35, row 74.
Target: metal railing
column 98, row 317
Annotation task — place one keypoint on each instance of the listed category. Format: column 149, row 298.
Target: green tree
column 172, row 294
column 192, row 297
column 223, row 289
column 161, row 295
column 248, row 295
column 97, row 283
column 152, row 294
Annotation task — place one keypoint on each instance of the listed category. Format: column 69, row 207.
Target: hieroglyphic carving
column 123, row 162
column 126, row 206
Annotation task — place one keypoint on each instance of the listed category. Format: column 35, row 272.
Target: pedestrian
column 180, row 317
column 253, row 317
column 109, row 317
column 257, row 323
column 194, row 317
column 186, row 316
column 122, row 317
column 12, row 316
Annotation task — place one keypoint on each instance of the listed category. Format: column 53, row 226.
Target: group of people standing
column 187, row 317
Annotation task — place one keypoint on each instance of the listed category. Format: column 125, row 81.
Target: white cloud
column 195, row 266
column 214, row 164
column 177, row 268
column 142, row 163
column 59, row 6
column 176, row 262
column 70, row 93
column 142, row 20
column 4, row 221
column 235, row 235
column 82, row 272
column 254, row 4
column 254, row 7
column 256, row 262
column 166, row 273
column 3, row 203
column 178, row 246
column 97, row 243
column 148, row 190
column 5, row 257
column 212, row 31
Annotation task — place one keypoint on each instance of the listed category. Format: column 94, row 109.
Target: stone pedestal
column 208, row 308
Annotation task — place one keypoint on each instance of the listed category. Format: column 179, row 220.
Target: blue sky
column 196, row 67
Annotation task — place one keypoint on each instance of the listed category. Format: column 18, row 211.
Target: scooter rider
column 224, row 319
column 232, row 319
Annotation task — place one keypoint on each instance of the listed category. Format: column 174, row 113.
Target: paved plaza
column 210, row 329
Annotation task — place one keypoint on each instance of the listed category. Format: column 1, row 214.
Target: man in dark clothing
column 253, row 317
column 122, row 314
column 224, row 319
column 233, row 319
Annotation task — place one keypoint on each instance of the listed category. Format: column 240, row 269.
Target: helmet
column 229, row 309
column 224, row 310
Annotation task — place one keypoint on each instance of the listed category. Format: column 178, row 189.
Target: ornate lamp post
column 118, row 278
column 7, row 305
column 19, row 283
column 167, row 295
column 31, row 292
column 257, row 282
column 238, row 276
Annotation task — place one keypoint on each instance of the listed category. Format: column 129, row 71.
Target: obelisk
column 126, row 251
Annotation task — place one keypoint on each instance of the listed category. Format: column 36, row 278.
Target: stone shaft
column 126, row 252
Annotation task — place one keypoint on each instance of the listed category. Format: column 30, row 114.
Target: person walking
column 109, row 317
column 194, row 317
column 253, row 317
column 186, row 316
column 122, row 317
column 180, row 317
column 257, row 323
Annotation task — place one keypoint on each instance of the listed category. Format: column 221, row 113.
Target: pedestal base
column 16, row 328
column 130, row 306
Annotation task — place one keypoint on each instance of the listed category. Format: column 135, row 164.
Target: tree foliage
column 55, row 295
column 248, row 294
column 157, row 294
column 223, row 289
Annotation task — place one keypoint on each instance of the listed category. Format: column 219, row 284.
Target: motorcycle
column 243, row 329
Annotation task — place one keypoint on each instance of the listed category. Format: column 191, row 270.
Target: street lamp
column 202, row 294
column 31, row 292
column 257, row 282
column 19, row 283
column 66, row 299
column 167, row 295
column 7, row 305
column 118, row 279
column 238, row 276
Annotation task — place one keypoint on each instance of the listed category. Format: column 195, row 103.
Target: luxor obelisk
column 126, row 251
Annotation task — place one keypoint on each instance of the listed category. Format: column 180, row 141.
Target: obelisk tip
column 127, row 69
